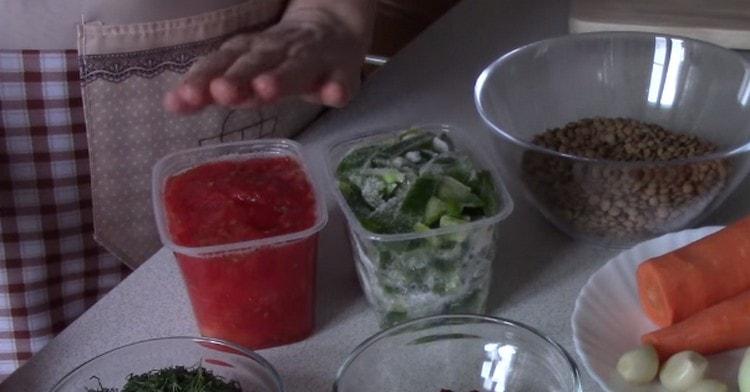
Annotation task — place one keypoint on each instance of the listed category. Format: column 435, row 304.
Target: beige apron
column 126, row 70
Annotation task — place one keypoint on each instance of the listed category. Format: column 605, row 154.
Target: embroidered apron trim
column 117, row 67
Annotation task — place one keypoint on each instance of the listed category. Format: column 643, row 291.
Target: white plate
column 607, row 319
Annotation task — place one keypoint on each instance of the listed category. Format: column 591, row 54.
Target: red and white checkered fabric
column 51, row 270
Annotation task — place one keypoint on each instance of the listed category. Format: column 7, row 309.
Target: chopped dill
column 173, row 379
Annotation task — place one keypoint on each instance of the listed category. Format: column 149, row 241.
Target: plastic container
column 686, row 86
column 459, row 353
column 223, row 359
column 258, row 293
column 411, row 275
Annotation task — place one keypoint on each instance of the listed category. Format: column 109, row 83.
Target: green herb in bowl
column 174, row 379
column 173, row 364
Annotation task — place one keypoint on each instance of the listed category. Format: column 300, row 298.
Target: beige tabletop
column 538, row 271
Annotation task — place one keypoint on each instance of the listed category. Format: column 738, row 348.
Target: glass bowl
column 222, row 358
column 683, row 85
column 459, row 353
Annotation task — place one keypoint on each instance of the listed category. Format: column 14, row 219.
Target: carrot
column 723, row 326
column 680, row 283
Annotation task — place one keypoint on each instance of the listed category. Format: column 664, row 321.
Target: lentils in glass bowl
column 622, row 202
column 620, row 137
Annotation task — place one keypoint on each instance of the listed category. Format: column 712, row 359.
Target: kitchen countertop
column 538, row 271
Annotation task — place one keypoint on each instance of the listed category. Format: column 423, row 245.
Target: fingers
column 252, row 70
column 233, row 58
column 242, row 86
column 337, row 89
column 295, row 76
column 192, row 93
column 236, row 84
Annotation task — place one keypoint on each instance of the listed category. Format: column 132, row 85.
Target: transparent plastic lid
column 181, row 161
column 340, row 149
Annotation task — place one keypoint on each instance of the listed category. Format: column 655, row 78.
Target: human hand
column 315, row 57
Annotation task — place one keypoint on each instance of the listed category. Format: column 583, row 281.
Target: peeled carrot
column 721, row 327
column 687, row 280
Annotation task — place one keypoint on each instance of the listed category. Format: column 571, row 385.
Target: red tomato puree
column 258, row 298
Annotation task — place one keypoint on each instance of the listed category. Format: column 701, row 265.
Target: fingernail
column 334, row 94
column 224, row 91
column 266, row 88
column 170, row 102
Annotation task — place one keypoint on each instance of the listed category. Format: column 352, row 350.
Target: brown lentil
column 611, row 198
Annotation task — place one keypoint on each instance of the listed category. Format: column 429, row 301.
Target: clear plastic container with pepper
column 422, row 206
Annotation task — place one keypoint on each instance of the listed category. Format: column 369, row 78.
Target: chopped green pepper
column 418, row 182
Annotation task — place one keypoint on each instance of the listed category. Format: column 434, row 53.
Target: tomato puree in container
column 244, row 229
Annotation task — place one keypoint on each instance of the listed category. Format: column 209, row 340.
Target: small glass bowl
column 224, row 359
column 459, row 353
column 684, row 85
